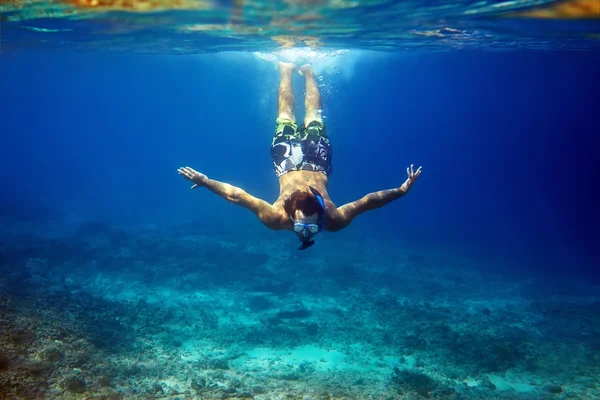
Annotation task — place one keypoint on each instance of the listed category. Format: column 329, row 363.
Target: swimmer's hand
column 412, row 177
column 194, row 176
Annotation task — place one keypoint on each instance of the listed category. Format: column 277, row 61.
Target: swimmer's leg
column 286, row 101
column 312, row 101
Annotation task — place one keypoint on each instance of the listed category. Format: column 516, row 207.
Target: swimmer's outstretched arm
column 346, row 213
column 263, row 210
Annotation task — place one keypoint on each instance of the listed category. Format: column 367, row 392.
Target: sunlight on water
column 327, row 64
column 341, row 62
column 197, row 26
column 324, row 62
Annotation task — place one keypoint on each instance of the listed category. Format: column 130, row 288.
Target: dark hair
column 303, row 201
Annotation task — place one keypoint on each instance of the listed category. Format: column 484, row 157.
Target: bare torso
column 301, row 180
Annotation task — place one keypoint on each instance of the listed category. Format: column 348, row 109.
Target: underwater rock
column 18, row 337
column 244, row 394
column 488, row 384
column 53, row 354
column 133, row 370
column 82, row 358
column 290, row 376
column 104, row 381
column 75, row 384
column 554, row 389
column 4, row 363
column 408, row 380
column 37, row 369
column 214, row 363
column 156, row 390
column 257, row 389
column 476, row 350
column 109, row 332
column 198, row 384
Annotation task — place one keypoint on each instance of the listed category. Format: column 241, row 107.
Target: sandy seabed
column 180, row 313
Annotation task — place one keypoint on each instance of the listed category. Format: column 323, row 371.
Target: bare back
column 301, row 180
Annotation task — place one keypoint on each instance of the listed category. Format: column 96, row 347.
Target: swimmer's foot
column 286, row 69
column 306, row 70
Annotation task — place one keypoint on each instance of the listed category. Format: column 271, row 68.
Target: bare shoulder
column 275, row 217
column 334, row 220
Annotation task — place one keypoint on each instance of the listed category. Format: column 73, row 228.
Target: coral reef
column 180, row 313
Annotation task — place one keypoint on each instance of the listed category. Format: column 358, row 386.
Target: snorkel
column 305, row 232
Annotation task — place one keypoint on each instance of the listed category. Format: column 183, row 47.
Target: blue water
column 507, row 142
column 118, row 280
